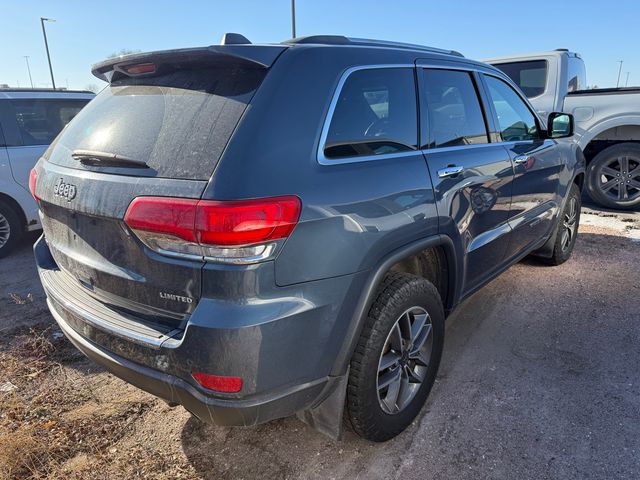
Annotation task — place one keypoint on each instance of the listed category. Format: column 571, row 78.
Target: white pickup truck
column 607, row 120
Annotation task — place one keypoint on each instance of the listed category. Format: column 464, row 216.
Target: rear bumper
column 176, row 390
column 277, row 380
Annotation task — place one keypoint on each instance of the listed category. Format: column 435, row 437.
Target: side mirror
column 560, row 125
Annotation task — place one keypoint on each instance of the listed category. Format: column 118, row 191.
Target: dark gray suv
column 254, row 231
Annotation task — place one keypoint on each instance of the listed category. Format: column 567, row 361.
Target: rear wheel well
column 15, row 206
column 432, row 265
column 610, row 137
column 579, row 180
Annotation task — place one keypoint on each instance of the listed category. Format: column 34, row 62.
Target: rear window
column 576, row 75
column 530, row 76
column 178, row 123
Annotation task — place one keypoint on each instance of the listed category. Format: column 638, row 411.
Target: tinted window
column 41, row 120
column 375, row 114
column 576, row 74
column 530, row 76
column 178, row 122
column 455, row 116
column 515, row 120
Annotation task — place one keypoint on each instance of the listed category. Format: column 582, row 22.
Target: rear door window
column 177, row 122
column 375, row 114
column 41, row 120
column 455, row 115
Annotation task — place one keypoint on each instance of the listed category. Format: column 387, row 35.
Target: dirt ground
column 540, row 379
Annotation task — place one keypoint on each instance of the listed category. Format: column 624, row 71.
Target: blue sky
column 87, row 32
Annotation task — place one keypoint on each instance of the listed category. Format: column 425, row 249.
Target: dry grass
column 18, row 300
column 55, row 424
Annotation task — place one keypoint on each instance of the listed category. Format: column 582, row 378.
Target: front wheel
column 567, row 229
column 397, row 357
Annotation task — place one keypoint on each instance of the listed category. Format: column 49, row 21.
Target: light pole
column 293, row 18
column 619, row 72
column 626, row 83
column 26, row 57
column 46, row 45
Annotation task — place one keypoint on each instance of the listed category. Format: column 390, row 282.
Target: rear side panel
column 352, row 214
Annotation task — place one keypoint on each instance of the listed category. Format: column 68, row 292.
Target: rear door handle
column 520, row 159
column 450, row 171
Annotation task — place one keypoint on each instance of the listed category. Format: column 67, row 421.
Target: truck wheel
column 613, row 177
column 396, row 358
column 567, row 229
column 11, row 229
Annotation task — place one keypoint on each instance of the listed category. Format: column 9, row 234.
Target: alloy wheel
column 619, row 179
column 404, row 360
column 5, row 230
column 570, row 224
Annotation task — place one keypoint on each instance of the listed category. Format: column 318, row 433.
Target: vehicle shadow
column 287, row 448
column 283, row 448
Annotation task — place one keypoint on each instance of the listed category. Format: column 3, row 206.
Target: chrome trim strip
column 96, row 322
column 267, row 254
column 457, row 65
column 322, row 160
column 365, row 158
column 428, row 151
column 545, row 143
column 467, row 67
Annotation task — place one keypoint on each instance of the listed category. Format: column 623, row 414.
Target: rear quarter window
column 375, row 114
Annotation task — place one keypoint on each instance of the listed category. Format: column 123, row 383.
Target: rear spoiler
column 249, row 56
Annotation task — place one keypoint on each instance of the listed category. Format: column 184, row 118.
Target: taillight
column 33, row 178
column 171, row 216
column 246, row 222
column 139, row 68
column 239, row 231
column 218, row 383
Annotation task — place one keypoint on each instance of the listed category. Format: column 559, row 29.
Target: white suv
column 29, row 121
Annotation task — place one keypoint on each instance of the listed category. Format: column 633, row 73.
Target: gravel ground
column 539, row 379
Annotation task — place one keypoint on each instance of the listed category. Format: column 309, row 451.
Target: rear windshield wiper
column 91, row 157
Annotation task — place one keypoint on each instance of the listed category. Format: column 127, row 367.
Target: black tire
column 10, row 225
column 398, row 293
column 568, row 225
column 610, row 167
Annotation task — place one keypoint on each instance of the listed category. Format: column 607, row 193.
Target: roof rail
column 342, row 40
column 42, row 90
